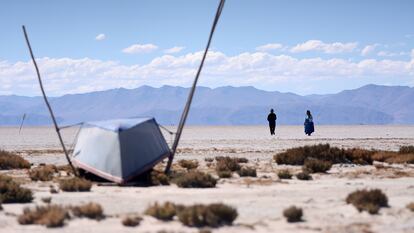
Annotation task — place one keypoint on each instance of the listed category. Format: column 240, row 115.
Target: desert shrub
column 11, row 192
column 165, row 212
column 159, row 178
column 225, row 174
column 50, row 216
column 42, row 173
column 53, row 190
column 227, row 164
column 195, row 179
column 284, row 174
column 131, row 221
column 359, row 156
column 406, row 149
column 213, row 215
column 46, row 200
column 247, row 171
column 293, row 214
column 393, row 157
column 410, row 206
column 91, row 210
column 209, row 160
column 9, row 160
column 316, row 165
column 188, row 164
column 368, row 200
column 242, row 160
column 303, row 176
column 75, row 184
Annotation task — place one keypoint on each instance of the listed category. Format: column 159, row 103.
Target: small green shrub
column 195, row 179
column 165, row 212
column 368, row 200
column 293, row 214
column 213, row 215
column 188, row 164
column 316, row 165
column 75, row 184
column 284, row 174
column 247, row 171
column 42, row 173
column 91, row 210
column 11, row 192
column 132, row 221
column 225, row 174
column 9, row 160
column 49, row 216
column 227, row 164
column 303, row 176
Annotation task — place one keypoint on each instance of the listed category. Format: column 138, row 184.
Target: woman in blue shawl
column 309, row 127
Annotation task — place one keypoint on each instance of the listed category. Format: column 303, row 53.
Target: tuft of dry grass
column 46, row 200
column 42, row 173
column 188, row 164
column 195, row 179
column 49, row 216
column 393, row 157
column 209, row 160
column 284, row 174
column 131, row 221
column 316, row 165
column 213, row 215
column 75, row 184
column 406, row 149
column 91, row 210
column 368, row 200
column 247, row 171
column 227, row 164
column 11, row 192
column 9, row 160
column 225, row 174
column 410, row 206
column 293, row 214
column 159, row 178
column 164, row 212
column 242, row 160
column 303, row 176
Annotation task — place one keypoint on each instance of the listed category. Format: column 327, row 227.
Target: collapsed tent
column 119, row 150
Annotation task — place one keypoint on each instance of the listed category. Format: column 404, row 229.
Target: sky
column 299, row 46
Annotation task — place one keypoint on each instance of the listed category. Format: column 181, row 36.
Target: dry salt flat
column 259, row 201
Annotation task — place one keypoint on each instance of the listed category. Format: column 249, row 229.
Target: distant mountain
column 371, row 104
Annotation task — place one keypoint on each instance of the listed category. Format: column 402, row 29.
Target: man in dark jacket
column 272, row 121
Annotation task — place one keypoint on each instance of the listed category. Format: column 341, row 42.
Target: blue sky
column 291, row 46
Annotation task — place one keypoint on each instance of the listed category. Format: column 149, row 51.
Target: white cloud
column 368, row 49
column 175, row 49
column 268, row 47
column 317, row 45
column 140, row 48
column 263, row 70
column 100, row 37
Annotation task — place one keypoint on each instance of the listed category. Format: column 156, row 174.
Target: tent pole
column 47, row 103
column 192, row 90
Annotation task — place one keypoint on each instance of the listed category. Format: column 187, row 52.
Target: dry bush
column 303, row 176
column 209, row 160
column 42, row 173
column 368, row 200
column 316, row 165
column 195, row 179
column 188, row 164
column 46, row 200
column 293, row 214
column 225, row 174
column 393, row 157
column 247, row 171
column 91, row 210
column 227, row 164
column 9, row 160
column 242, row 160
column 131, row 221
column 50, row 216
column 165, row 212
column 406, row 149
column 159, row 178
column 410, row 206
column 284, row 174
column 11, row 192
column 53, row 190
column 213, row 215
column 360, row 156
column 75, row 184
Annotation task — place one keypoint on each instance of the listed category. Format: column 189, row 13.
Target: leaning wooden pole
column 192, row 90
column 47, row 103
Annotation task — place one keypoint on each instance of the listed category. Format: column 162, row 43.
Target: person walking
column 271, row 118
column 309, row 126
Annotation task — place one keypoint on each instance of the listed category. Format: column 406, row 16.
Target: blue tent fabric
column 118, row 150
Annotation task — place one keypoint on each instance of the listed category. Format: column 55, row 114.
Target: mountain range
column 371, row 104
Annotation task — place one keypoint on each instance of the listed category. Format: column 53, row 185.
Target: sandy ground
column 259, row 201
